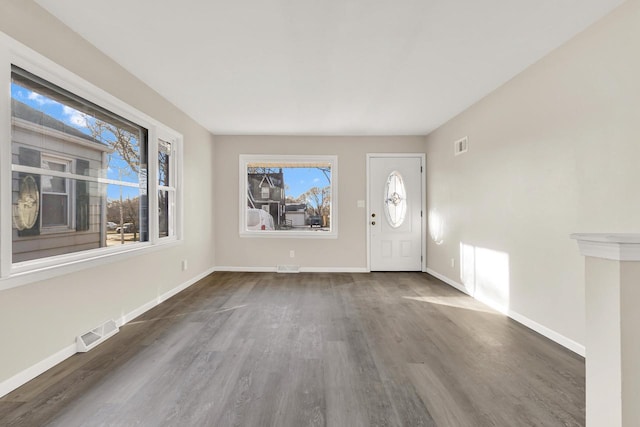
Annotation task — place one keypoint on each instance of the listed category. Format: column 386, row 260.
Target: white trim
column 11, row 275
column 549, row 333
column 246, row 269
column 531, row 324
column 151, row 186
column 423, row 207
column 333, row 270
column 245, row 159
column 101, row 256
column 126, row 318
column 453, row 283
column 301, row 270
column 6, row 215
column 71, row 175
column 367, row 210
column 30, row 373
column 179, row 210
column 288, row 234
column 23, row 377
column 618, row 247
column 35, row 63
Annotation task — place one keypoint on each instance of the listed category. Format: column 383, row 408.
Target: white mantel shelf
column 612, row 293
column 614, row 246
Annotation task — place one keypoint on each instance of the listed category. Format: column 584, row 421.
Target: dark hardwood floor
column 262, row 349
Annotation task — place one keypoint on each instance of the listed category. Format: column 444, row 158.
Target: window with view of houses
column 80, row 175
column 86, row 178
column 288, row 195
column 76, row 168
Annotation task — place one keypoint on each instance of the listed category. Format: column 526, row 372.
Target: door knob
column 373, row 223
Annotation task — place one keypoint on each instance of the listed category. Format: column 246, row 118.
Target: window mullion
column 89, row 186
column 48, row 172
column 152, row 186
column 5, row 166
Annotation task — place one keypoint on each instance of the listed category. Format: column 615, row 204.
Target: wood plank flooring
column 346, row 350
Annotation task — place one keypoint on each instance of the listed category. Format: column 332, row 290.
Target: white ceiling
column 326, row 67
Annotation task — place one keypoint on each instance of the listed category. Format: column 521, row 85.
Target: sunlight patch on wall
column 468, row 268
column 485, row 275
column 436, row 227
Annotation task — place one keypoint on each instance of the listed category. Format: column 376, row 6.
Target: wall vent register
column 461, row 146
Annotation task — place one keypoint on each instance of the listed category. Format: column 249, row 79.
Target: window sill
column 34, row 271
column 290, row 234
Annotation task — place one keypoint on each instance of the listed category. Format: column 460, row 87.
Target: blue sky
column 117, row 168
column 300, row 180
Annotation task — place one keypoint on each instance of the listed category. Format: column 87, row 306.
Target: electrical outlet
column 292, row 254
column 184, row 265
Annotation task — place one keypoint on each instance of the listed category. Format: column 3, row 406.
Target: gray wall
column 552, row 152
column 349, row 249
column 40, row 319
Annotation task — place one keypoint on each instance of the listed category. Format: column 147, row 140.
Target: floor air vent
column 86, row 342
column 288, row 269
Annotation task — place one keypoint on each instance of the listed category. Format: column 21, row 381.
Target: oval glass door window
column 395, row 199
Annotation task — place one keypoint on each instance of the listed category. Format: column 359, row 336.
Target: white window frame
column 68, row 165
column 246, row 159
column 12, row 274
column 265, row 194
column 172, row 188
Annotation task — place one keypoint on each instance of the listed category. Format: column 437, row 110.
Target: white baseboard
column 449, row 282
column 246, row 269
column 30, row 373
column 126, row 318
column 549, row 333
column 302, row 269
column 333, row 270
column 531, row 324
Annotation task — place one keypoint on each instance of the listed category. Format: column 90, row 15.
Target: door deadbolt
column 373, row 215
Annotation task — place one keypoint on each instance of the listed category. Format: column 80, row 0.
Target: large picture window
column 75, row 174
column 288, row 196
column 64, row 143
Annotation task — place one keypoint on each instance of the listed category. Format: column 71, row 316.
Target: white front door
column 395, row 212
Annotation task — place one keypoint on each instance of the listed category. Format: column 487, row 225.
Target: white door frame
column 423, row 195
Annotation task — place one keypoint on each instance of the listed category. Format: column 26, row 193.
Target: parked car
column 111, row 225
column 258, row 219
column 315, row 220
column 127, row 227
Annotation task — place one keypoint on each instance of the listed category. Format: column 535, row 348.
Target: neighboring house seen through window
column 79, row 177
column 50, row 127
column 288, row 196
